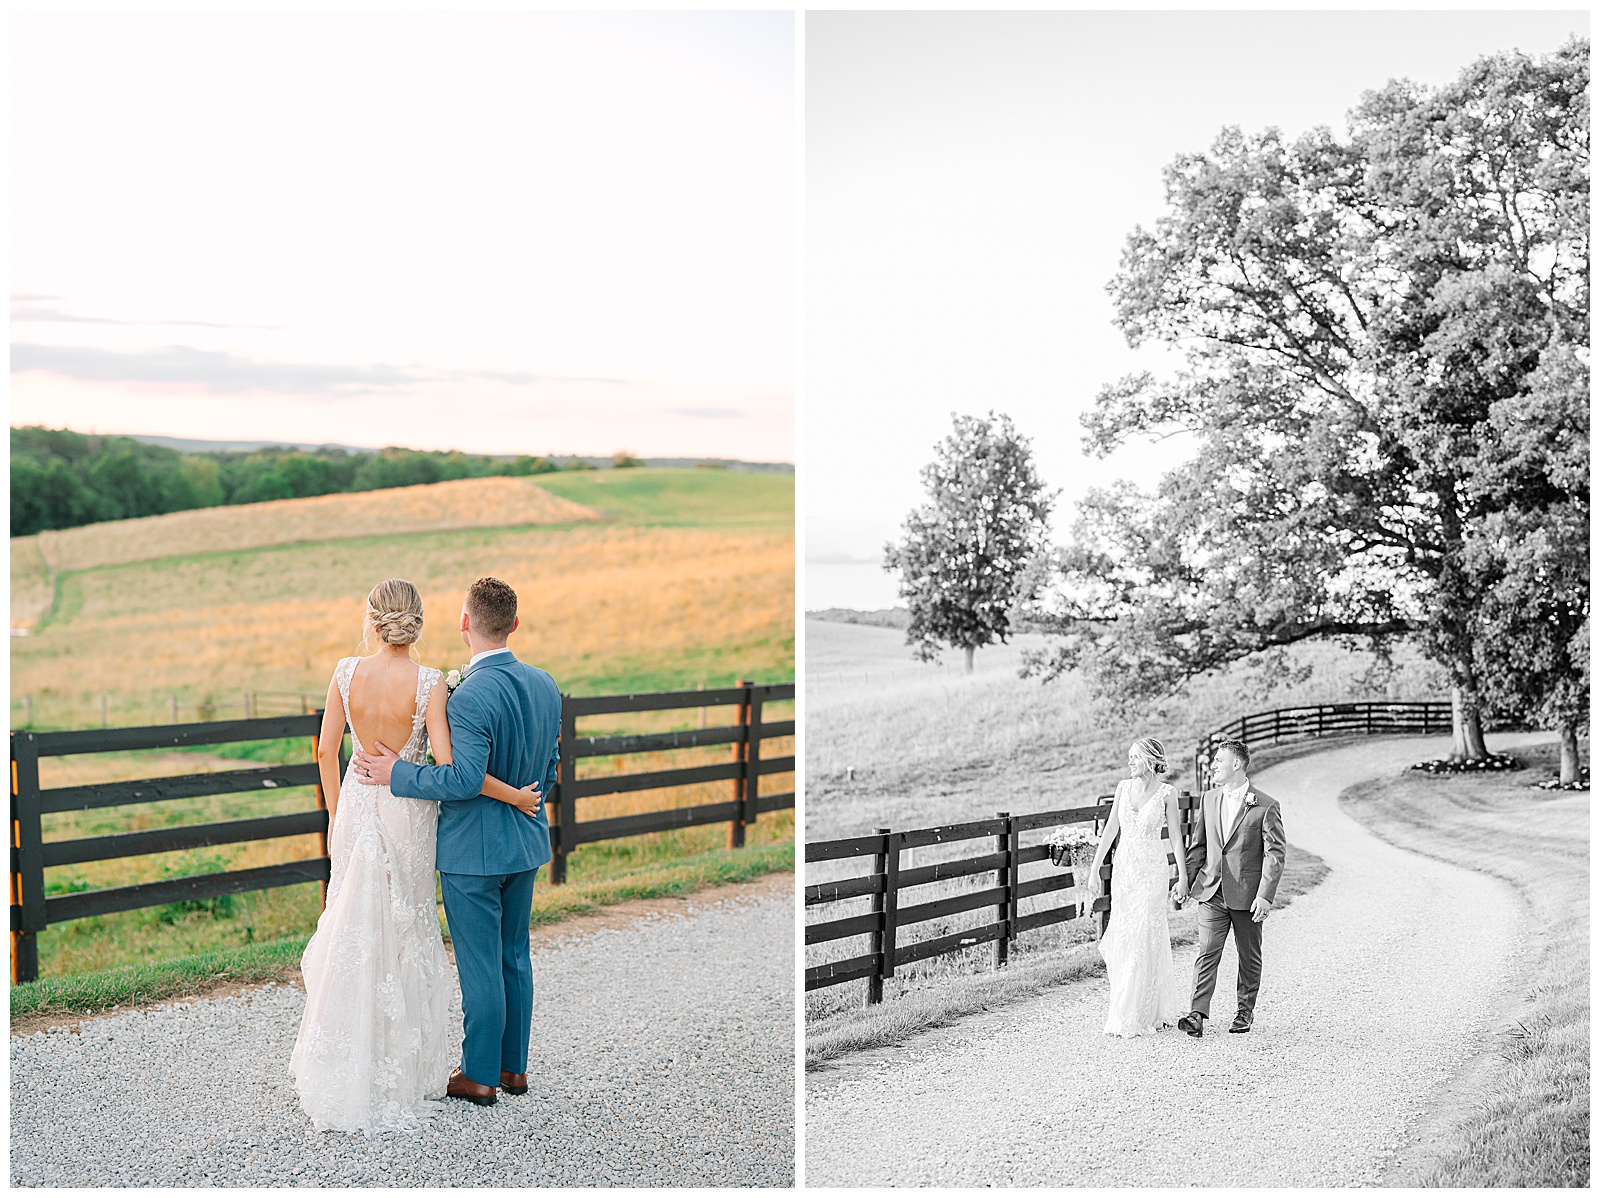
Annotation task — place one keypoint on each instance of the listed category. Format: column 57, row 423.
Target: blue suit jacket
column 505, row 720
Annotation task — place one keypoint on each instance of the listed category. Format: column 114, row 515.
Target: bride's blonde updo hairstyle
column 1155, row 756
column 394, row 612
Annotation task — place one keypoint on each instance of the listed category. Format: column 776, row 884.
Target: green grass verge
column 662, row 496
column 80, row 994
column 85, row 993
column 1520, row 1115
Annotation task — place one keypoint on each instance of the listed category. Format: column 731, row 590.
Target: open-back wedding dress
column 1137, row 946
column 374, row 1045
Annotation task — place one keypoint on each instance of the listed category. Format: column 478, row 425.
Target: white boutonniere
column 1250, row 798
column 452, row 680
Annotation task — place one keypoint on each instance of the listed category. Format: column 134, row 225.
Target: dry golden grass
column 603, row 607
column 462, row 503
column 32, row 584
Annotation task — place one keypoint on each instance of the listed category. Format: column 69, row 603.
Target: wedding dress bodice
column 416, row 747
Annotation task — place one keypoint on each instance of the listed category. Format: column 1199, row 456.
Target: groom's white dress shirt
column 1232, row 800
column 477, row 657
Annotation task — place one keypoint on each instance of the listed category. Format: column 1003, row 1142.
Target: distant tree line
column 61, row 479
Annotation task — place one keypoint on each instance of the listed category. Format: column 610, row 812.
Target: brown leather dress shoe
column 513, row 1083
column 462, row 1086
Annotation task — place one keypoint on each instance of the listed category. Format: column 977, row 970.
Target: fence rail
column 1288, row 724
column 887, row 879
column 32, row 910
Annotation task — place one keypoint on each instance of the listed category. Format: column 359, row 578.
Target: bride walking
column 1137, row 945
column 374, row 1046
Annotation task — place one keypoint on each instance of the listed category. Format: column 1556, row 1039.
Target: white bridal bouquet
column 1073, row 845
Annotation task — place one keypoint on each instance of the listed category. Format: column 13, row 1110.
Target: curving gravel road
column 663, row 1055
column 1376, row 987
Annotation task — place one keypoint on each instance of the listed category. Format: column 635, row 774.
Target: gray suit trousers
column 1215, row 920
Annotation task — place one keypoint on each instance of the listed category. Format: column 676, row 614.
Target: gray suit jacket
column 1243, row 861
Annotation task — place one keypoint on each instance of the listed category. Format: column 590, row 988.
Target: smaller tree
column 964, row 551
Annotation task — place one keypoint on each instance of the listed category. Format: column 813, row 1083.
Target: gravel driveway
column 1376, row 986
column 663, row 1055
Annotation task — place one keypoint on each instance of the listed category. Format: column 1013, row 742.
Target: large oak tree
column 1358, row 317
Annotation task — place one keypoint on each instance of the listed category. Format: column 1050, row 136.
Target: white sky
column 508, row 232
column 970, row 181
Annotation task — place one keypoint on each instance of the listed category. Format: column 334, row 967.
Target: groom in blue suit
column 505, row 720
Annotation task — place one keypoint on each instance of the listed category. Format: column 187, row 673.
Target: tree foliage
column 61, row 479
column 964, row 550
column 1364, row 322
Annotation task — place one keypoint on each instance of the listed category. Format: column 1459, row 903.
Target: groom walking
column 1239, row 842
column 505, row 719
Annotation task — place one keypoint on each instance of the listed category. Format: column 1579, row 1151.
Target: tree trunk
column 1569, row 753
column 967, row 649
column 1466, row 726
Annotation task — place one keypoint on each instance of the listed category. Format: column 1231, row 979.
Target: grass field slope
column 891, row 741
column 628, row 580
column 462, row 503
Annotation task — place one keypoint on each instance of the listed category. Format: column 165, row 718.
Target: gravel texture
column 663, row 1055
column 1376, row 987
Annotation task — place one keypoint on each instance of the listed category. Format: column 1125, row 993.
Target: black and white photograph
column 402, row 654
column 1195, row 655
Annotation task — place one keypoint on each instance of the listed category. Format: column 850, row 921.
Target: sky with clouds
column 971, row 179
column 499, row 231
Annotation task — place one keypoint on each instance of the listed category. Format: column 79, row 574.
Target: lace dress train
column 1137, row 946
column 374, row 1047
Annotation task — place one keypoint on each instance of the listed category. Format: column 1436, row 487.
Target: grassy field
column 671, row 579
column 1524, row 1119
column 462, row 503
column 891, row 742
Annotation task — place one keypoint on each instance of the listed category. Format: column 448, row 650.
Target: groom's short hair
column 1240, row 751
column 493, row 606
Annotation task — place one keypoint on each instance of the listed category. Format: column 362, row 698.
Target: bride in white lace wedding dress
column 1137, row 945
column 375, row 1045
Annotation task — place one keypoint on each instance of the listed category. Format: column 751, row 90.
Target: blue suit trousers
column 488, row 916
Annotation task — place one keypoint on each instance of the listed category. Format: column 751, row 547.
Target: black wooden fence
column 886, row 881
column 32, row 911
column 1287, row 724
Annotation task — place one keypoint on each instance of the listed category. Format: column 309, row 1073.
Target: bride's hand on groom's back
column 533, row 800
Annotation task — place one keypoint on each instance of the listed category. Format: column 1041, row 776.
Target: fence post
column 891, row 907
column 27, row 879
column 752, row 789
column 1369, row 718
column 880, row 869
column 566, row 829
column 741, row 755
column 103, row 698
column 1013, row 874
column 1002, row 844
